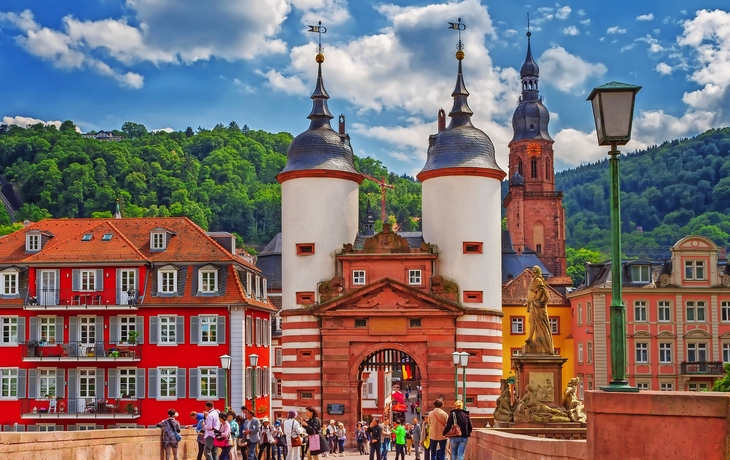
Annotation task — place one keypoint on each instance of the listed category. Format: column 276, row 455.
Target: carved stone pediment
column 386, row 241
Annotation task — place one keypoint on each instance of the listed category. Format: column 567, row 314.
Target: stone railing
column 101, row 444
column 497, row 444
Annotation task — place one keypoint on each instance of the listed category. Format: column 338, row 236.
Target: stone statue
column 540, row 338
column 503, row 411
column 571, row 403
column 530, row 410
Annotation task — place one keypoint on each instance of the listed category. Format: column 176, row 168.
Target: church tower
column 535, row 214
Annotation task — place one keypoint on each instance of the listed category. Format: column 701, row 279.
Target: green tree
column 576, row 260
column 724, row 383
column 32, row 212
column 134, row 130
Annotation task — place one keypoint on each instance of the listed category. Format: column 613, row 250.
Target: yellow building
column 514, row 323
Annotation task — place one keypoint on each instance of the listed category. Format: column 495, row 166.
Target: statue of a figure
column 540, row 338
column 571, row 403
column 503, row 411
column 530, row 410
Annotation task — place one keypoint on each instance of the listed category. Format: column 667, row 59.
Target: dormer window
column 258, row 287
column 157, row 241
column 694, row 270
column 33, row 242
column 208, row 280
column 167, row 280
column 640, row 274
column 248, row 284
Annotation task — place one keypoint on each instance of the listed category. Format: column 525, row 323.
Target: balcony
column 68, row 299
column 80, row 408
column 702, row 368
column 81, row 351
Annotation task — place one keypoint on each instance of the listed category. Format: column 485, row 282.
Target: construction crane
column 383, row 187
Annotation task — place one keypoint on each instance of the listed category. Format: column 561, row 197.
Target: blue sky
column 389, row 66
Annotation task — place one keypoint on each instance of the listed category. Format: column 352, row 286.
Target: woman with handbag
column 292, row 431
column 313, row 426
column 223, row 440
column 458, row 429
column 170, row 434
column 266, row 433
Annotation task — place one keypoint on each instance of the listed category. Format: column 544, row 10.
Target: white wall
column 323, row 211
column 457, row 209
column 237, row 349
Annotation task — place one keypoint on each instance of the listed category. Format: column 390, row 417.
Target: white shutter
column 59, row 329
column 194, row 383
column 152, row 383
column 114, row 330
column 154, row 331
column 113, row 384
column 139, row 385
column 180, row 329
column 33, row 387
column 181, row 383
column 194, row 332
column 221, row 330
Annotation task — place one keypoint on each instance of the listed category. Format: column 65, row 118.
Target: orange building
column 677, row 315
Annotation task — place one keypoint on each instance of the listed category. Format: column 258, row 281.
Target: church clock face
column 534, row 150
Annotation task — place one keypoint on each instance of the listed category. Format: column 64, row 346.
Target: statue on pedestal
column 504, row 411
column 539, row 338
column 571, row 403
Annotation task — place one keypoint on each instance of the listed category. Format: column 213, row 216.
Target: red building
column 677, row 319
column 109, row 323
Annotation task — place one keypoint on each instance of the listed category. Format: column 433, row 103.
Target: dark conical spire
column 460, row 113
column 369, row 222
column 529, row 68
column 320, row 113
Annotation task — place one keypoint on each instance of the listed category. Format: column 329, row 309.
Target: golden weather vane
column 458, row 26
column 318, row 29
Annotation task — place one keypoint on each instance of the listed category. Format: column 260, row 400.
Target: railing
column 69, row 298
column 709, row 368
column 80, row 408
column 81, row 350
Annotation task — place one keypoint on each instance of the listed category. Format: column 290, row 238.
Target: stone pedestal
column 544, row 373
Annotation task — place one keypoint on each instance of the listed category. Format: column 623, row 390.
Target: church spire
column 529, row 72
column 460, row 112
column 320, row 113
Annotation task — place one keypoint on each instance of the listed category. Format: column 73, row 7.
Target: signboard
column 335, row 409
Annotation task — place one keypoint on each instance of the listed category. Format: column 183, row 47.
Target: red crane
column 383, row 187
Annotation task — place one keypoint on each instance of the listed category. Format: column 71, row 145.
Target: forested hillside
column 668, row 191
column 223, row 179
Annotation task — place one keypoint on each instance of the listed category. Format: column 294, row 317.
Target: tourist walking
column 170, row 434
column 235, row 432
column 279, row 441
column 212, row 423
column 437, row 419
column 223, row 440
column 362, row 436
column 386, row 440
column 313, row 427
column 416, row 438
column 266, row 436
column 251, row 429
column 400, row 440
column 241, row 441
column 375, row 433
column 292, row 431
column 425, row 438
column 341, row 438
column 460, row 418
column 332, row 437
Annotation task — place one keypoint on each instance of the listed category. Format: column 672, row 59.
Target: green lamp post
column 613, row 111
column 464, row 360
column 226, row 364
column 253, row 360
column 456, row 357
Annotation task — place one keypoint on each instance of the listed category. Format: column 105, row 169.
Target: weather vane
column 318, row 29
column 458, row 26
column 528, row 25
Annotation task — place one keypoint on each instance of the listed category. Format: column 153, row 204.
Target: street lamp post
column 226, row 364
column 464, row 360
column 253, row 360
column 456, row 356
column 613, row 111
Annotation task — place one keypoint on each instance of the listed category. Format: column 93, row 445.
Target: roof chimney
column 342, row 124
column 442, row 120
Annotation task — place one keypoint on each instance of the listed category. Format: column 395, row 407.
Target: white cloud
column 279, row 82
column 566, row 71
column 627, row 47
column 645, row 17
column 563, row 12
column 663, row 68
column 164, row 130
column 571, row 30
column 585, row 22
column 330, row 12
column 581, row 12
column 24, row 122
column 615, row 30
column 510, row 32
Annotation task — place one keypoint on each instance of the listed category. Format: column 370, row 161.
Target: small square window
column 305, row 394
column 305, row 249
column 472, row 248
column 642, row 385
column 87, row 237
column 555, row 326
column 517, row 325
column 33, row 242
column 361, row 322
column 414, row 277
column 640, row 274
column 358, row 277
column 415, row 322
column 305, row 298
column 472, row 296
column 107, row 237
column 157, row 241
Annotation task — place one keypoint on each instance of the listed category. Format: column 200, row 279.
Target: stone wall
column 112, row 444
column 491, row 444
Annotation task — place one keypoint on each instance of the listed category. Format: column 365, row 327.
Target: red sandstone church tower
column 535, row 215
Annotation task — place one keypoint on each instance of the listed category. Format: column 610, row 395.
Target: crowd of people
column 227, row 436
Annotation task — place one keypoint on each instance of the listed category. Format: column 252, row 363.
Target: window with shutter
column 249, row 331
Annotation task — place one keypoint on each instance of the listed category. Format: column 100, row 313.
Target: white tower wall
column 318, row 210
column 458, row 209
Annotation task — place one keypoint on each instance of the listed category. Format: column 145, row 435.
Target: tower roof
column 531, row 118
column 320, row 148
column 460, row 145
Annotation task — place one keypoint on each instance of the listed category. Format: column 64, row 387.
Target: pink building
column 677, row 317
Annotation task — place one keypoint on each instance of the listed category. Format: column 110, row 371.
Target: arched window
column 547, row 168
column 533, row 167
column 519, row 166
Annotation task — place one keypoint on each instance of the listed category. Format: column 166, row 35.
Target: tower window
column 473, row 296
column 547, row 168
column 519, row 167
column 305, row 298
column 538, row 248
column 305, row 249
column 533, row 167
column 472, row 248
